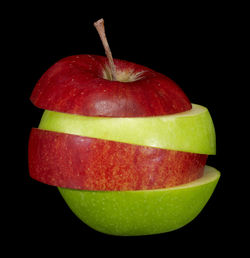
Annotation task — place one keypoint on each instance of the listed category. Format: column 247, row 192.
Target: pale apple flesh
column 190, row 131
column 80, row 162
column 131, row 213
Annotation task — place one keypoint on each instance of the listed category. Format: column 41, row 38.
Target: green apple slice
column 143, row 212
column 190, row 131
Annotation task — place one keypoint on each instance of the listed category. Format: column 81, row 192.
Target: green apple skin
column 190, row 131
column 132, row 213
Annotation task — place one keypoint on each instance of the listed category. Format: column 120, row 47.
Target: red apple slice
column 78, row 162
column 80, row 85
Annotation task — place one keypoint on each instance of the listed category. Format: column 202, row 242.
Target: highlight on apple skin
column 145, row 212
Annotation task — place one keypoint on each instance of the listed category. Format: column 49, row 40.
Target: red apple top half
column 93, row 85
column 81, row 85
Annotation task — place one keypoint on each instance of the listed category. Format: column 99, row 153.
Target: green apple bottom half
column 143, row 211
column 125, row 146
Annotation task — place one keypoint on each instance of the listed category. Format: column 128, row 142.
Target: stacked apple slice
column 129, row 154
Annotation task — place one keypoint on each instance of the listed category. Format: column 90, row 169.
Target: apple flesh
column 190, row 131
column 78, row 162
column 131, row 213
column 80, row 85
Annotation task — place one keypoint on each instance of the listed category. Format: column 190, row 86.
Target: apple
column 145, row 212
column 189, row 131
column 79, row 85
column 101, row 110
column 86, row 163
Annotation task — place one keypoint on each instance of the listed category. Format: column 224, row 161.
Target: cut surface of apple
column 143, row 212
column 189, row 131
column 79, row 162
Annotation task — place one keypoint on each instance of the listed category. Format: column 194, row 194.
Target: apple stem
column 99, row 25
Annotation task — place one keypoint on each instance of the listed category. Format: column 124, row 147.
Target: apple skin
column 132, row 213
column 79, row 162
column 190, row 131
column 77, row 85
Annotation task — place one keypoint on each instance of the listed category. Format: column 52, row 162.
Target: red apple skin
column 76, row 85
column 85, row 163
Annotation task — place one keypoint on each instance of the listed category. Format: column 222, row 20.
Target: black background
column 195, row 45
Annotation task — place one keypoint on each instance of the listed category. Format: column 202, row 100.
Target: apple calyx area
column 85, row 163
column 80, row 85
column 122, row 75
